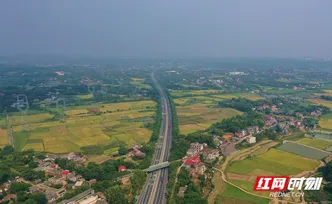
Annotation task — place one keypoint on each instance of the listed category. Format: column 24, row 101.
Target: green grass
column 20, row 139
column 243, row 184
column 303, row 151
column 275, row 161
column 320, row 144
column 233, row 192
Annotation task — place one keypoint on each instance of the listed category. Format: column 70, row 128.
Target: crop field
column 250, row 96
column 326, row 121
column 322, row 102
column 84, row 97
column 139, row 83
column 270, row 163
column 3, row 138
column 17, row 120
column 248, row 185
column 328, row 91
column 199, row 117
column 324, row 137
column 118, row 122
column 320, row 144
column 231, row 194
column 302, row 150
column 185, row 93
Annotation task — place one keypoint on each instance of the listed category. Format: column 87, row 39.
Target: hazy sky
column 167, row 28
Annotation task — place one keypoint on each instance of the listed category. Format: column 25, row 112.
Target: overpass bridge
column 156, row 167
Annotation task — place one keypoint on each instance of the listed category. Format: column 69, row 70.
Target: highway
column 154, row 190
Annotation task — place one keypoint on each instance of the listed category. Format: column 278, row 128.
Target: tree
column 123, row 150
column 115, row 195
column 278, row 129
column 31, row 175
column 4, row 173
column 8, row 150
column 40, row 198
column 32, row 164
column 18, row 187
column 30, row 201
column 327, row 171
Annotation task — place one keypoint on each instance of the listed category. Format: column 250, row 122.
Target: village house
column 263, row 107
column 270, row 121
column 91, row 182
column 138, row 153
column 8, row 198
column 299, row 114
column 182, row 190
column 298, row 124
column 227, row 137
column 135, row 151
column 211, row 154
column 253, row 129
column 131, row 153
column 53, row 194
column 227, row 148
column 122, row 168
column 251, row 140
column 125, row 180
column 274, row 108
column 195, row 149
column 198, row 170
column 79, row 159
column 242, row 133
column 192, row 161
column 216, row 139
column 316, row 113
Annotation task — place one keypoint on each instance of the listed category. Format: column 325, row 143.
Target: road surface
column 154, row 190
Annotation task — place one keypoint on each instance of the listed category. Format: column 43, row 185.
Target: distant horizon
column 30, row 56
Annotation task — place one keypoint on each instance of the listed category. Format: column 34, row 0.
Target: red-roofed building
column 241, row 133
column 192, row 161
column 65, row 172
column 268, row 117
column 139, row 154
column 122, row 168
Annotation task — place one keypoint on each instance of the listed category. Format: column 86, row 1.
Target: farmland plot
column 303, row 150
column 119, row 122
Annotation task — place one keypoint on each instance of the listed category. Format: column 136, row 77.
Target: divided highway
column 154, row 190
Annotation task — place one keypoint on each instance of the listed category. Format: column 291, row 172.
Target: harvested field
column 84, row 97
column 199, row 117
column 326, row 121
column 303, row 151
column 322, row 102
column 271, row 162
column 125, row 125
column 3, row 138
column 189, row 93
